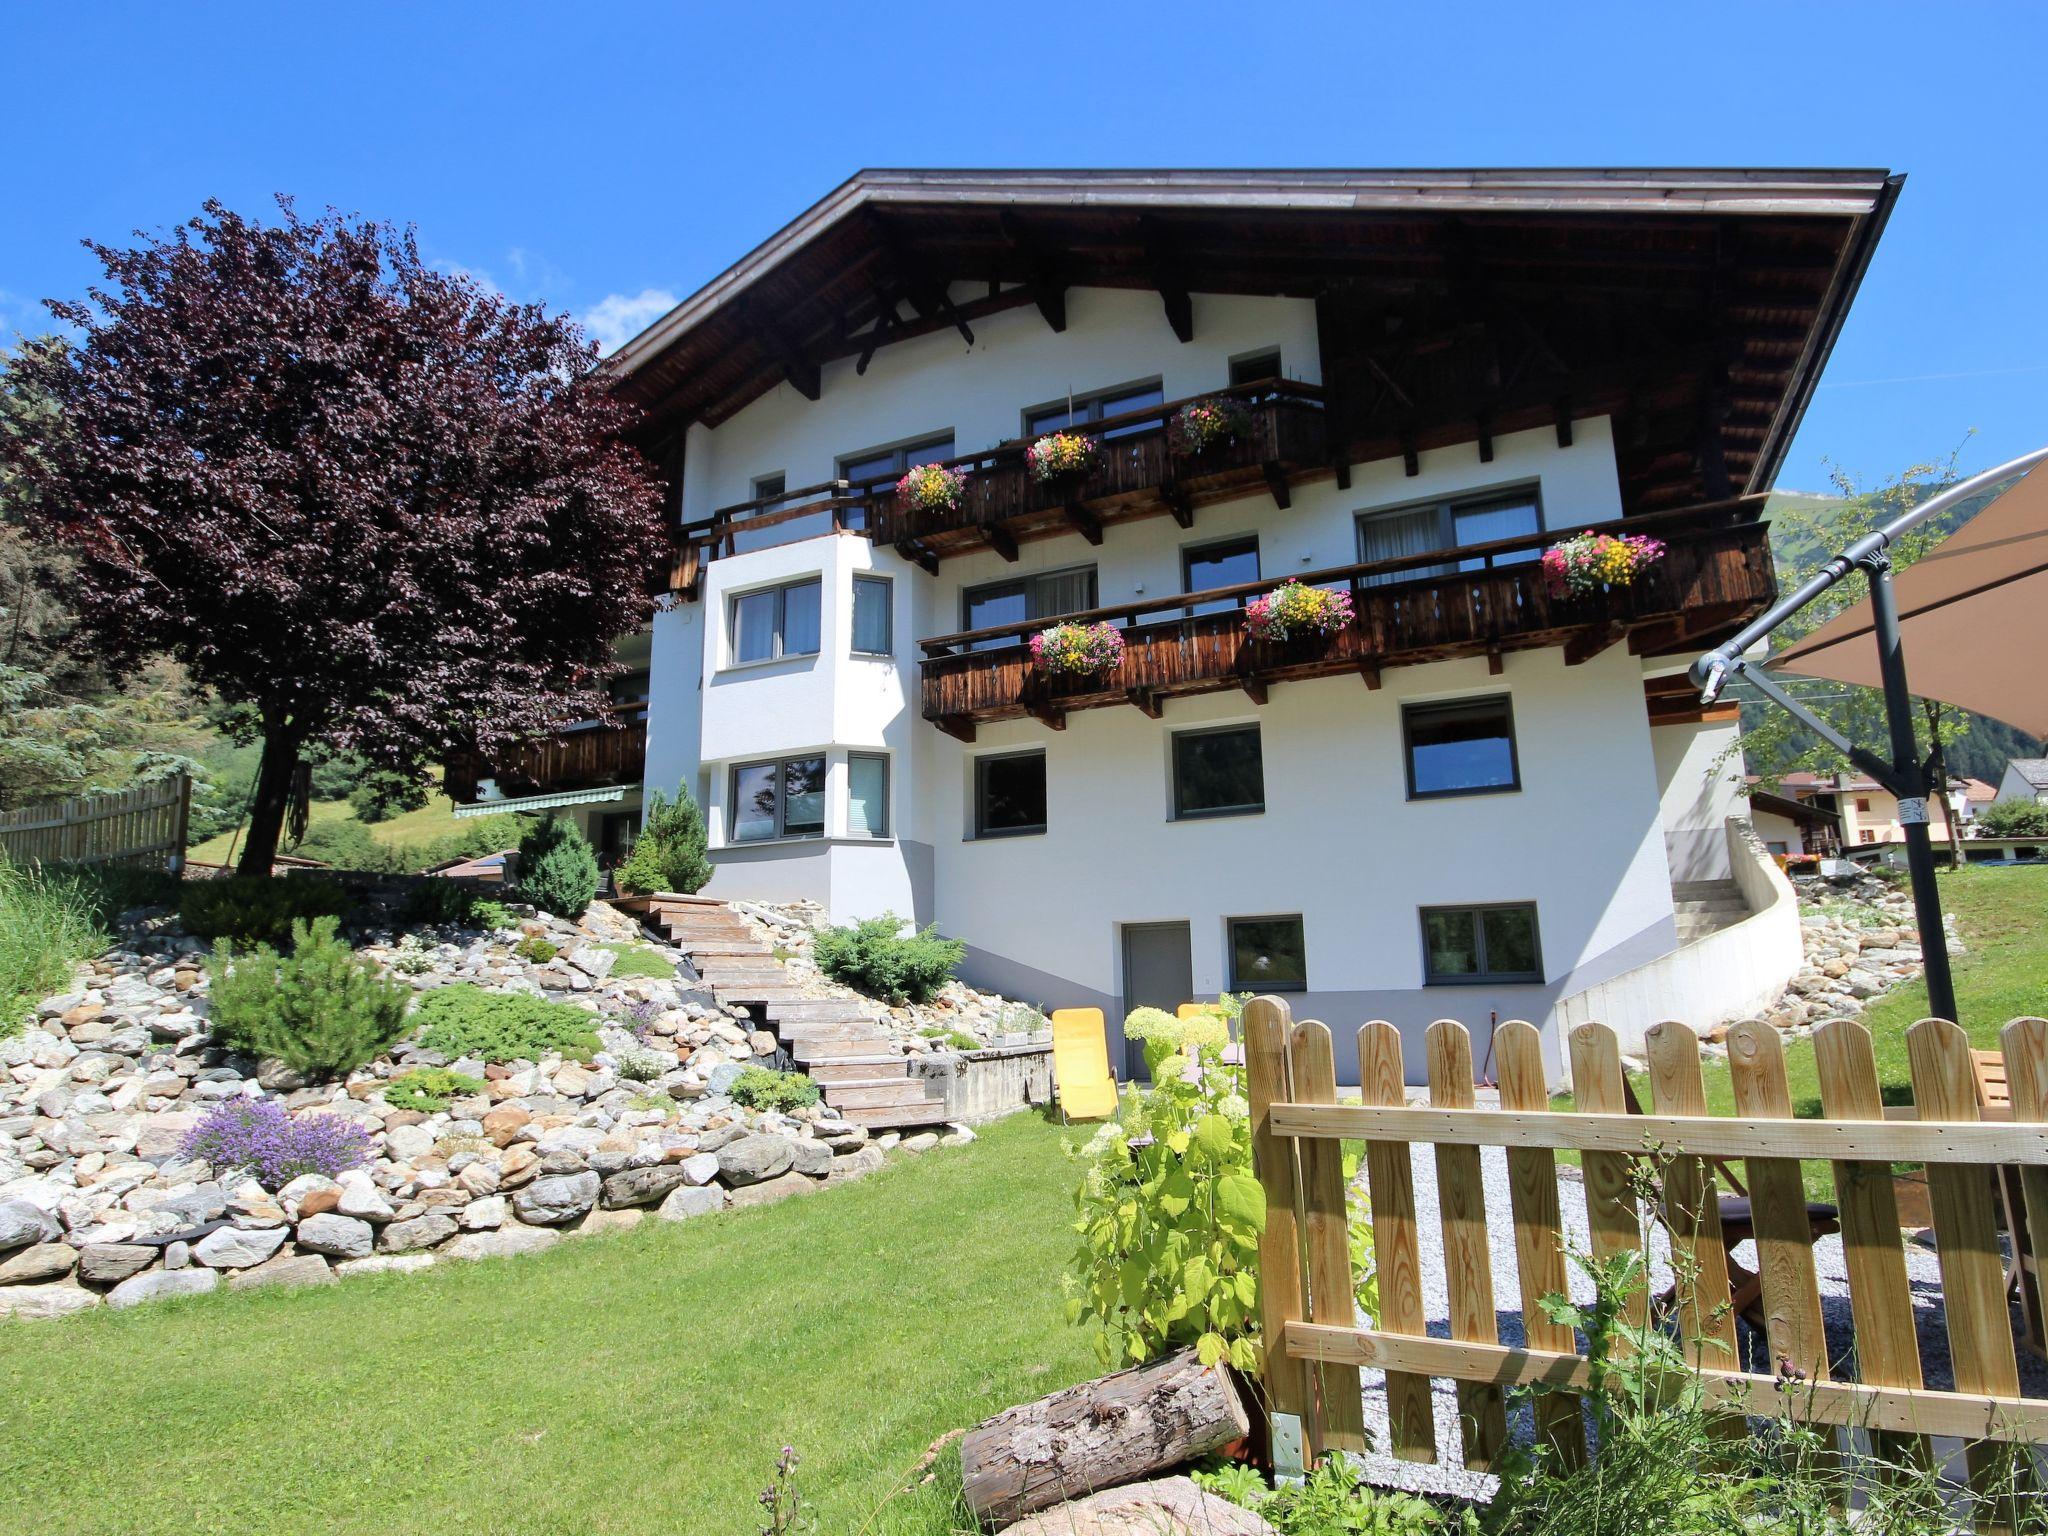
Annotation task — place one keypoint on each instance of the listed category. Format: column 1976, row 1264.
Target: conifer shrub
column 670, row 854
column 879, row 959
column 319, row 1010
column 764, row 1088
column 427, row 1089
column 465, row 1020
column 557, row 868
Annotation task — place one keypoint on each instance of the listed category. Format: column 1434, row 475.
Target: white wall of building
column 2014, row 786
column 1699, row 772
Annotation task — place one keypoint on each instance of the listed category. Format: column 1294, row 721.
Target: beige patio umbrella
column 1973, row 617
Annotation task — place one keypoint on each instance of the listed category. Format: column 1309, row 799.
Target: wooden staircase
column 839, row 1043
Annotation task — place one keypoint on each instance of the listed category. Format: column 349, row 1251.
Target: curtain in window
column 1062, row 592
column 870, row 616
column 1396, row 534
column 753, row 627
column 1496, row 520
column 867, row 797
column 800, row 619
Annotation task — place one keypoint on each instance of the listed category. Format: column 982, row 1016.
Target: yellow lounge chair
column 1233, row 1048
column 1082, row 1078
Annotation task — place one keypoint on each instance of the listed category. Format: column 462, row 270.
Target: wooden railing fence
column 146, row 823
column 1315, row 1346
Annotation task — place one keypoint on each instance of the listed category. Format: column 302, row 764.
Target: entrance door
column 1159, row 972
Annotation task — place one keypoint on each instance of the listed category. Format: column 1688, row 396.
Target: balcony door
column 1044, row 596
column 1159, row 972
column 889, row 464
column 1448, row 526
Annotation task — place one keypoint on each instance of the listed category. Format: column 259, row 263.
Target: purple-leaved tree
column 386, row 510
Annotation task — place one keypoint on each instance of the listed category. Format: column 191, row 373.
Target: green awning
column 549, row 802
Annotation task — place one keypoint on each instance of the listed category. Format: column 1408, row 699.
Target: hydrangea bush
column 1292, row 610
column 932, row 488
column 1589, row 562
column 1078, row 650
column 1062, row 456
column 1210, row 423
column 257, row 1137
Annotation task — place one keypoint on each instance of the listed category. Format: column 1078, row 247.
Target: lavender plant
column 257, row 1137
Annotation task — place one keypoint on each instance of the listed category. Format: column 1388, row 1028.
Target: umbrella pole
column 1911, row 785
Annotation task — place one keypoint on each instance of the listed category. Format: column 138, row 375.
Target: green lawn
column 2003, row 917
column 634, row 1383
column 408, row 829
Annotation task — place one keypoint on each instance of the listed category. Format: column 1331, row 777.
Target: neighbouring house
column 1864, row 812
column 1970, row 797
column 1793, row 828
column 1479, row 797
column 2026, row 778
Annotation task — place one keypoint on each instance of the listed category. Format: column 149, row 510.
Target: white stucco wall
column 1699, row 777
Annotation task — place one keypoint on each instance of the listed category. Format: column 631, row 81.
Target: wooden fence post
column 1612, row 1215
column 1784, row 1236
column 1338, row 1423
column 1692, row 1211
column 1539, row 1253
column 1390, row 1177
column 2025, row 1043
column 1468, row 1264
column 1268, row 1082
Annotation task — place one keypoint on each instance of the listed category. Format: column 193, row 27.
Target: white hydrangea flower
column 1234, row 1106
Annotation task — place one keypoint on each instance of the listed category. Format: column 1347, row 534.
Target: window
column 889, row 464
column 871, row 620
column 867, row 795
column 1079, row 410
column 1009, row 794
column 1218, row 773
column 631, row 687
column 1268, row 954
column 1464, row 944
column 1219, row 565
column 1448, row 525
column 766, row 486
column 1260, row 365
column 1863, row 804
column 1465, row 747
column 780, row 799
column 776, row 621
column 1031, row 597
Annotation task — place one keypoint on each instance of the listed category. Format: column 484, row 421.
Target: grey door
column 1159, row 972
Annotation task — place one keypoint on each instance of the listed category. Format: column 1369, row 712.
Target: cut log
column 1098, row 1435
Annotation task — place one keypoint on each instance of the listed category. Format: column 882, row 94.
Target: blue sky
column 603, row 156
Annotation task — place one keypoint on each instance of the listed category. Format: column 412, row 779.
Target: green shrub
column 639, row 960
column 319, row 1010
column 2014, row 818
column 454, row 901
column 955, row 1039
column 535, row 950
column 427, row 1089
column 465, row 1020
column 877, row 958
column 381, row 794
column 116, row 888
column 48, row 923
column 1332, row 1500
column 638, row 1064
column 472, row 839
column 669, row 855
column 557, row 869
column 257, row 909
column 349, row 845
column 761, row 1088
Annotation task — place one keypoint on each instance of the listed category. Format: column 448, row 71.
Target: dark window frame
column 1482, row 977
column 1241, row 367
column 981, row 763
column 1083, row 410
column 1189, row 553
column 1244, row 984
column 780, row 765
column 1412, row 708
column 888, row 587
column 781, row 591
column 1447, row 509
column 1026, row 583
column 874, row 833
column 898, row 453
column 762, row 488
column 1180, row 812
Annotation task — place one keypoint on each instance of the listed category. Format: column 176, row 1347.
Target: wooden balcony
column 1140, row 474
column 1715, row 574
column 581, row 757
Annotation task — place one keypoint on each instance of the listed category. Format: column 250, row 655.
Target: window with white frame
column 779, row 799
column 1446, row 526
column 776, row 621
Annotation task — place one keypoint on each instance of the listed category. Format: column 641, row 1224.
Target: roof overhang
column 1741, row 277
column 603, row 796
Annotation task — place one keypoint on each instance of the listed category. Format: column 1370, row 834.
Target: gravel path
column 1448, row 1475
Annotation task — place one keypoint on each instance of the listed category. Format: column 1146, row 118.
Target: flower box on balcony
column 1078, row 650
column 1293, row 611
column 1589, row 563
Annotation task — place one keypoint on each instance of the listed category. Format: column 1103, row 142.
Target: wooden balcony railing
column 1714, row 574
column 1140, row 473
column 589, row 756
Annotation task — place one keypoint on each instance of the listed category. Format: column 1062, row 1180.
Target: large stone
column 485, row 1215
column 22, row 1224
column 811, row 1157
column 409, row 1143
column 361, row 1198
column 426, row 1231
column 501, row 1125
column 285, row 1269
column 755, row 1159
column 385, row 1264
column 111, row 1263
column 691, row 1200
column 39, row 1262
column 856, row 1165
column 237, row 1247
column 162, row 1284
column 601, row 1223
column 343, row 1237
column 642, row 1186
column 556, row 1200
column 699, row 1168
column 1172, row 1506
column 33, row 1301
column 769, row 1191
column 491, row 1245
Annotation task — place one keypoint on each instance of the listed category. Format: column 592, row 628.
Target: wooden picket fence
column 143, row 824
column 1315, row 1346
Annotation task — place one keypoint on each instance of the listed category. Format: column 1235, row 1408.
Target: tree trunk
column 273, row 792
column 1098, row 1435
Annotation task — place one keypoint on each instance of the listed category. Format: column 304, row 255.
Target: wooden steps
column 839, row 1042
